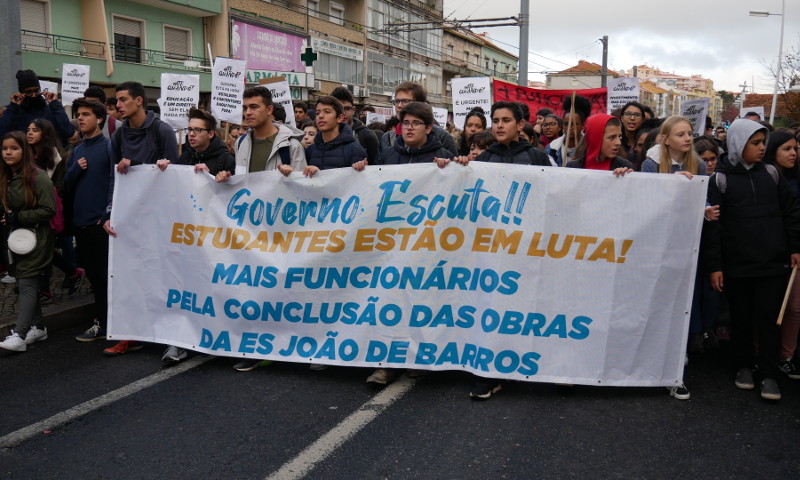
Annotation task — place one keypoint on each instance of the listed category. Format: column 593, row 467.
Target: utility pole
column 604, row 72
column 524, row 33
column 10, row 48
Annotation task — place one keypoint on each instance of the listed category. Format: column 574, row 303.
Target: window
column 337, row 13
column 177, row 43
column 466, row 56
column 33, row 16
column 128, row 35
column 313, row 8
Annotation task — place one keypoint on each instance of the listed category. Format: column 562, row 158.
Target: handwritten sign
column 621, row 91
column 696, row 111
column 74, row 81
column 179, row 93
column 281, row 94
column 227, row 87
column 468, row 93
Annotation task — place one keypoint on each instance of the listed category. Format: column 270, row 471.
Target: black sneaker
column 770, row 389
column 744, row 379
column 95, row 332
column 484, row 388
column 73, row 284
column 788, row 367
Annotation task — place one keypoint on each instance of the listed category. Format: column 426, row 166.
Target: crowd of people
column 57, row 183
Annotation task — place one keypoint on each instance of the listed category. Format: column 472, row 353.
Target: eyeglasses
column 401, row 101
column 412, row 125
column 632, row 114
column 196, row 131
column 549, row 124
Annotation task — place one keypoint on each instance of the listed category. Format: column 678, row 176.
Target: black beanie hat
column 27, row 79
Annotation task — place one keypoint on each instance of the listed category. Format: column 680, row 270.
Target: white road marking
column 59, row 419
column 318, row 451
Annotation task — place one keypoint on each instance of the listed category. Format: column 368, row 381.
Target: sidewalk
column 62, row 312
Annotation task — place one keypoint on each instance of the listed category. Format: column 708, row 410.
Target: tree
column 790, row 68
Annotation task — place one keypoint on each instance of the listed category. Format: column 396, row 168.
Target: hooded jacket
column 400, row 153
column 139, row 144
column 595, row 128
column 336, row 153
column 759, row 223
column 87, row 190
column 286, row 137
column 653, row 160
column 522, row 153
column 18, row 117
column 216, row 157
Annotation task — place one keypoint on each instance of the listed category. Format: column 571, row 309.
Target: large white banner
column 696, row 111
column 508, row 271
column 74, row 81
column 227, row 87
column 179, row 93
column 468, row 93
column 621, row 91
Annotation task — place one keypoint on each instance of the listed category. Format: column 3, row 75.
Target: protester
column 707, row 150
column 142, row 139
column 781, row 152
column 601, row 146
column 300, row 112
column 528, row 134
column 641, row 153
column 632, row 117
column 552, row 128
column 99, row 95
column 419, row 143
column 364, row 136
column 674, row 153
column 572, row 128
column 507, row 122
column 29, row 104
column 334, row 146
column 28, row 201
column 405, row 93
column 45, row 150
column 473, row 123
column 87, row 182
column 541, row 114
column 309, row 133
column 205, row 150
column 748, row 250
column 480, row 142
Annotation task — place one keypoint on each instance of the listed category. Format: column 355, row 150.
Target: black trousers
column 754, row 307
column 93, row 257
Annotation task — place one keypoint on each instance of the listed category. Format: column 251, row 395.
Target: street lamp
column 759, row 13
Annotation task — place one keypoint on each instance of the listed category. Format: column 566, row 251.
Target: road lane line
column 59, row 419
column 318, row 451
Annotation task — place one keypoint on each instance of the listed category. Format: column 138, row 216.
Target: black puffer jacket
column 342, row 151
column 216, row 157
column 522, row 153
column 400, row 153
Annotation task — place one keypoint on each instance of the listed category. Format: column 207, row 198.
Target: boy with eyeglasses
column 418, row 142
column 404, row 94
column 204, row 148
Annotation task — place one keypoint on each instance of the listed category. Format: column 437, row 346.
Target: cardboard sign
column 74, row 81
column 468, row 93
column 281, row 94
column 440, row 115
column 227, row 87
column 621, row 91
column 696, row 111
column 179, row 93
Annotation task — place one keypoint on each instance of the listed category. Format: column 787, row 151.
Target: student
column 300, row 112
column 507, row 122
column 632, row 116
column 480, row 142
column 474, row 122
column 574, row 123
column 31, row 103
column 142, row 139
column 99, row 95
column 405, row 93
column 364, row 136
column 601, row 145
column 552, row 128
column 27, row 199
column 674, row 153
column 269, row 145
column 418, row 143
column 528, row 134
column 708, row 152
column 309, row 134
column 205, row 150
column 43, row 141
column 749, row 251
column 334, row 146
column 782, row 153
column 87, row 181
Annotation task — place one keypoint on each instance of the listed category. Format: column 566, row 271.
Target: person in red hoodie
column 601, row 145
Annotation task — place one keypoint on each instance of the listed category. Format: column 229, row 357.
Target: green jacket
column 32, row 264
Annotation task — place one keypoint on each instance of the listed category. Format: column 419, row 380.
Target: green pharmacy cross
column 308, row 57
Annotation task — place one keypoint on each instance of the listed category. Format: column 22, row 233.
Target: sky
column 713, row 38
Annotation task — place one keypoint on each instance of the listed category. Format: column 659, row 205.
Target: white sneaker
column 36, row 335
column 8, row 279
column 174, row 354
column 14, row 343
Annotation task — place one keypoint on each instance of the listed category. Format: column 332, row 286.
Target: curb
column 60, row 316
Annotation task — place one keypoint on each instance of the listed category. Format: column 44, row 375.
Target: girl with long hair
column 475, row 122
column 28, row 201
column 674, row 152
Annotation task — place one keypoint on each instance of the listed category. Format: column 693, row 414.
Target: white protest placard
column 440, row 115
column 375, row 117
column 696, row 111
column 468, row 93
column 757, row 110
column 508, row 271
column 281, row 94
column 74, row 81
column 49, row 86
column 179, row 93
column 227, row 87
column 621, row 91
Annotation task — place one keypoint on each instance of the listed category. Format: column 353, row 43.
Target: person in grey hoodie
column 749, row 252
column 404, row 94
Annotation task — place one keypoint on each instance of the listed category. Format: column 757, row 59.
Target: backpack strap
column 773, row 172
column 155, row 133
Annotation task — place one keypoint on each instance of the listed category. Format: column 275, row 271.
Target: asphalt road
column 284, row 421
